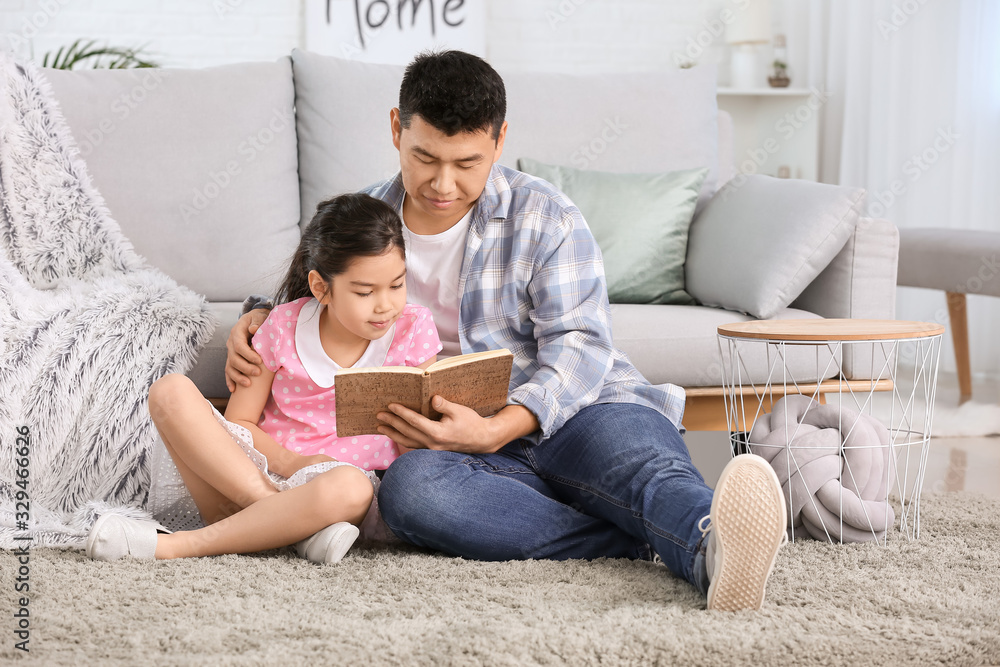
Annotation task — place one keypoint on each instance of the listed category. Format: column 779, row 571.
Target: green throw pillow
column 640, row 222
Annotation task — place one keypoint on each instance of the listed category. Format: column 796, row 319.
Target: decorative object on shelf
column 751, row 26
column 83, row 52
column 779, row 77
column 784, row 171
column 779, row 68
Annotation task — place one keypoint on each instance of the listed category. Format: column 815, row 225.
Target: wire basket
column 842, row 409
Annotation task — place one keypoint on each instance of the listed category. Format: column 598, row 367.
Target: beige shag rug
column 935, row 600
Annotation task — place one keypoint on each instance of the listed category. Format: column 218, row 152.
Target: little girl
column 273, row 472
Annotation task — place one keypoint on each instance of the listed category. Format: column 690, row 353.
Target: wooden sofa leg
column 960, row 340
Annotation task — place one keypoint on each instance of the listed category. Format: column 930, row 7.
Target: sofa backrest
column 199, row 167
column 210, row 180
column 620, row 123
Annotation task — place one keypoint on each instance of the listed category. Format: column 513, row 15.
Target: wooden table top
column 831, row 329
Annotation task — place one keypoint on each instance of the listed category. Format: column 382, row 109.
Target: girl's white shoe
column 113, row 537
column 330, row 544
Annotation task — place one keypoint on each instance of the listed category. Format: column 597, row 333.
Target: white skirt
column 171, row 503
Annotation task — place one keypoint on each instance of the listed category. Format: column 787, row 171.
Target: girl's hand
column 306, row 461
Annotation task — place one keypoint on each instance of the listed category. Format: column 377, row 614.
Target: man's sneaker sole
column 748, row 519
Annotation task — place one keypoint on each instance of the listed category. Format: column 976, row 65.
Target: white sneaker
column 113, row 537
column 747, row 524
column 328, row 545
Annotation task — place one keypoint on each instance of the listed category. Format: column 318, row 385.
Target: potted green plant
column 779, row 77
column 81, row 53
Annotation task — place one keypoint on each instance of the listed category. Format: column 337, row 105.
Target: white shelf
column 767, row 92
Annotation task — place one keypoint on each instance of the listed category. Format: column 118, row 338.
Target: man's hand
column 241, row 360
column 460, row 429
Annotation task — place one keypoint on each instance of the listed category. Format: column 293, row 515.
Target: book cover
column 479, row 381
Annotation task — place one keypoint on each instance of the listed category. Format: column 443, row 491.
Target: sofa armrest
column 859, row 283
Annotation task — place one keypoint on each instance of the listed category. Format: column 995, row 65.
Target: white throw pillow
column 757, row 246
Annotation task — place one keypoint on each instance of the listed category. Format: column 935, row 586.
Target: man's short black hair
column 454, row 91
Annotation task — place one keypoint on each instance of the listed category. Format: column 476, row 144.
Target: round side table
column 842, row 409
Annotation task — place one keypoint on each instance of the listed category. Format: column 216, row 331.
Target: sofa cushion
column 668, row 124
column 640, row 222
column 342, row 119
column 758, row 244
column 680, row 344
column 197, row 166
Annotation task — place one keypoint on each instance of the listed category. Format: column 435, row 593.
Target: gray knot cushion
column 836, row 487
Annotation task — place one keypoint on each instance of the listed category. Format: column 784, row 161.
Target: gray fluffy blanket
column 86, row 327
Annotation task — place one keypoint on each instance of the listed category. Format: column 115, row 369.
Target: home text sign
column 393, row 31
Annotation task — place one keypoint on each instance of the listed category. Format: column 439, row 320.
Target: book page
column 467, row 358
column 412, row 370
column 362, row 395
column 481, row 385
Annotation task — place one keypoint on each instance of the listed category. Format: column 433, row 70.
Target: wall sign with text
column 393, row 31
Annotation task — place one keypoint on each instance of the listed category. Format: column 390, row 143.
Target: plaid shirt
column 532, row 281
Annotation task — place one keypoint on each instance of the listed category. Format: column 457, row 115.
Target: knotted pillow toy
column 835, row 487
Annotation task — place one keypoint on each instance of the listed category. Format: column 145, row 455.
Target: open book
column 478, row 380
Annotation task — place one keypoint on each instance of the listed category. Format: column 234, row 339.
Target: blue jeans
column 614, row 481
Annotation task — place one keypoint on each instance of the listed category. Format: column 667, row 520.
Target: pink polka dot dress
column 300, row 412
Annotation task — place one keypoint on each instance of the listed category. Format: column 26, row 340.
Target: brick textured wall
column 176, row 33
column 580, row 36
column 553, row 35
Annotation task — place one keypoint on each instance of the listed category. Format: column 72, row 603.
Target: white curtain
column 914, row 117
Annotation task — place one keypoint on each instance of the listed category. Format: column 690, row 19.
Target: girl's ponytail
column 296, row 282
column 345, row 227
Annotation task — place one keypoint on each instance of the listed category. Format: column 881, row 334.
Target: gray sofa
column 210, row 174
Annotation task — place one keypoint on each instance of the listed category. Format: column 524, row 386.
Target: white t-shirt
column 433, row 264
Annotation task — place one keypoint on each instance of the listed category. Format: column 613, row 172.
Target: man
column 586, row 459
